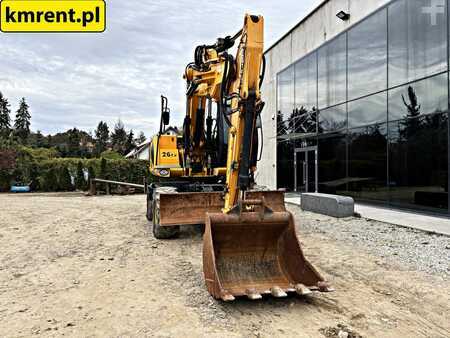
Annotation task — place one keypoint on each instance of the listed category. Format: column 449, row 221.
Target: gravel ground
column 408, row 248
column 77, row 266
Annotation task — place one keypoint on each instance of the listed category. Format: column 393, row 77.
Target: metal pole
column 295, row 172
column 316, row 168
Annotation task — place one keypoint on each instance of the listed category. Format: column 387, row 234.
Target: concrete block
column 331, row 205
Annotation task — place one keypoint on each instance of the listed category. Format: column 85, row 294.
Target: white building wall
column 144, row 154
column 319, row 27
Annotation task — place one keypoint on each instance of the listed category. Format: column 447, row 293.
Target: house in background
column 141, row 152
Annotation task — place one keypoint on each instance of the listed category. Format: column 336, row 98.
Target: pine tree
column 49, row 181
column 101, row 137
column 49, row 140
column 22, row 122
column 130, row 144
column 5, row 119
column 80, row 182
column 119, row 138
column 65, row 180
column 73, row 142
column 40, row 140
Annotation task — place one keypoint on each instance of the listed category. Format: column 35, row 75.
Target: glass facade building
column 366, row 114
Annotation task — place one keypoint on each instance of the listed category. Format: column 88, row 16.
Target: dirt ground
column 88, row 266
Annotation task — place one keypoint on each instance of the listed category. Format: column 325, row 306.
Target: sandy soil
column 88, row 266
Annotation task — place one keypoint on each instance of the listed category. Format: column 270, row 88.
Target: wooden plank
column 134, row 185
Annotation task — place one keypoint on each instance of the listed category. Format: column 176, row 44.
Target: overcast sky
column 76, row 80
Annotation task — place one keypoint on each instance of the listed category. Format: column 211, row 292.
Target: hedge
column 48, row 173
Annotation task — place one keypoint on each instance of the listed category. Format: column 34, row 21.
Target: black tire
column 149, row 213
column 162, row 232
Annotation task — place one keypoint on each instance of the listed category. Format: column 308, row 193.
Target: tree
column 65, row 180
column 141, row 138
column 5, row 119
column 22, row 122
column 101, row 137
column 40, row 140
column 130, row 144
column 119, row 138
column 80, row 182
column 73, row 142
column 49, row 180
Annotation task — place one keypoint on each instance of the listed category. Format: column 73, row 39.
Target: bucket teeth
column 324, row 287
column 302, row 290
column 277, row 292
column 228, row 297
column 253, row 295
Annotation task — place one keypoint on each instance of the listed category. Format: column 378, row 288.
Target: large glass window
column 304, row 118
column 285, row 99
column 368, row 110
column 306, row 83
column 419, row 98
column 375, row 101
column 367, row 162
column 417, row 40
column 333, row 72
column 334, row 118
column 367, row 56
column 418, row 173
column 332, row 163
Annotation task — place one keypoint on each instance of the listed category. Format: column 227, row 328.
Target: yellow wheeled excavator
column 204, row 174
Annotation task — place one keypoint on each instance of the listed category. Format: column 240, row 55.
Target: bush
column 49, row 181
column 46, row 172
column 103, row 173
column 34, row 176
column 64, row 180
column 8, row 164
column 5, row 180
column 111, row 155
column 39, row 154
column 80, row 182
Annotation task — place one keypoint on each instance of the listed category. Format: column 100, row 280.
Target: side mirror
column 166, row 117
column 165, row 112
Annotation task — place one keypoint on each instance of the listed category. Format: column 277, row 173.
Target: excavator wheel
column 162, row 232
column 149, row 213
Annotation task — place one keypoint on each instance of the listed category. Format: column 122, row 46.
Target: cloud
column 76, row 80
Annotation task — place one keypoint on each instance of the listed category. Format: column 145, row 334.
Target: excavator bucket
column 256, row 253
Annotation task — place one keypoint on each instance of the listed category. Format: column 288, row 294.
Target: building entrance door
column 305, row 170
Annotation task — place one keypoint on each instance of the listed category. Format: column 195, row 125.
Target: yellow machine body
column 250, row 242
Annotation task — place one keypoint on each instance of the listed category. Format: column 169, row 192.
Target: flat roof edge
column 297, row 25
